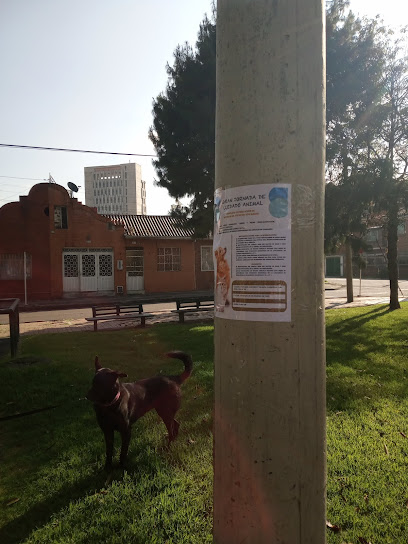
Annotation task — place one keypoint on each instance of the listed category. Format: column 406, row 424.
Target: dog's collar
column 106, row 404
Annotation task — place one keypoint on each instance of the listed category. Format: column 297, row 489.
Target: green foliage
column 183, row 130
column 355, row 64
column 367, row 132
column 347, row 214
column 386, row 150
column 354, row 60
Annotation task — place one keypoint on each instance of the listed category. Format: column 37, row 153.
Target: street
column 336, row 288
column 335, row 291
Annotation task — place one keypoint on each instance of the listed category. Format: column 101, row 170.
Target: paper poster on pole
column 252, row 252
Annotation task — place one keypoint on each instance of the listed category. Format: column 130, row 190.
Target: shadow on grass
column 148, row 455
column 4, row 346
column 21, row 527
column 348, row 391
column 350, row 323
column 63, row 443
column 365, row 355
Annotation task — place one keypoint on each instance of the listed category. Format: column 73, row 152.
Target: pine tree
column 366, row 131
column 183, row 130
column 355, row 60
column 387, row 152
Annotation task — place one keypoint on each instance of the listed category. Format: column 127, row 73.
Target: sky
column 83, row 74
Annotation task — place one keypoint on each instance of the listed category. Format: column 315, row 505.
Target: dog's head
column 219, row 253
column 105, row 384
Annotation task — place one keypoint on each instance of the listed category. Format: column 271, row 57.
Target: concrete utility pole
column 269, row 444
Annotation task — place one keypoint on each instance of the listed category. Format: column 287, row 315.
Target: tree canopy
column 367, row 128
column 183, row 130
column 387, row 151
column 367, row 135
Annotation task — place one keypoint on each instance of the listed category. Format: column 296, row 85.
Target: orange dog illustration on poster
column 223, row 279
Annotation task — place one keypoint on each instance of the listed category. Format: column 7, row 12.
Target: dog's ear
column 121, row 374
column 97, row 365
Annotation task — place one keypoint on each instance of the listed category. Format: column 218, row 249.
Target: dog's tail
column 188, row 365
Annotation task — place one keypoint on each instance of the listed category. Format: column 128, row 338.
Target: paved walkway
column 72, row 325
column 358, row 301
column 88, row 301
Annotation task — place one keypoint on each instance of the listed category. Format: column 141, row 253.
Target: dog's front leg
column 109, row 433
column 126, row 434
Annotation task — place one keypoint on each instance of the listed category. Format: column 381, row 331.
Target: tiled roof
column 150, row 226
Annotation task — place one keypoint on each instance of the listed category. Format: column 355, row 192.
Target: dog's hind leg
column 125, row 434
column 167, row 409
column 171, row 424
column 172, row 428
column 109, row 447
column 175, row 428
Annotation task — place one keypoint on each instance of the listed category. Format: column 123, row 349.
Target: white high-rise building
column 116, row 189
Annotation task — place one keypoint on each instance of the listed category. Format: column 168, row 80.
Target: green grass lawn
column 367, row 424
column 53, row 461
column 52, row 485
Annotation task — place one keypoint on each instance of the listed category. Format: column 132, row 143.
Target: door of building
column 334, row 266
column 134, row 270
column 87, row 270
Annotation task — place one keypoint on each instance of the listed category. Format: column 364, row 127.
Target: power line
column 76, row 150
column 31, row 179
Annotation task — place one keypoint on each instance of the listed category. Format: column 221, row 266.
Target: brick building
column 68, row 248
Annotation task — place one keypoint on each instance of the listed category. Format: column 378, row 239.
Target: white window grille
column 12, row 266
column 168, row 259
column 207, row 262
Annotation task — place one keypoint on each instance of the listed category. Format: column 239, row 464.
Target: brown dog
column 223, row 278
column 118, row 405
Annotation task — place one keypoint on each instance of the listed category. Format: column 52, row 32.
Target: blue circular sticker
column 279, row 202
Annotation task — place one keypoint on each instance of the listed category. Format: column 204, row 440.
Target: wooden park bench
column 118, row 311
column 192, row 306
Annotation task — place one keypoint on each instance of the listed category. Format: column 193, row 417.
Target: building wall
column 156, row 281
column 115, row 189
column 136, row 189
column 86, row 229
column 403, row 238
column 376, row 257
column 24, row 227
column 29, row 226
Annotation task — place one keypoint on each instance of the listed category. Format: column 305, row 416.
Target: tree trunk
column 392, row 255
column 349, row 271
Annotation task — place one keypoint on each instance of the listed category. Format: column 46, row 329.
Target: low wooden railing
column 10, row 306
